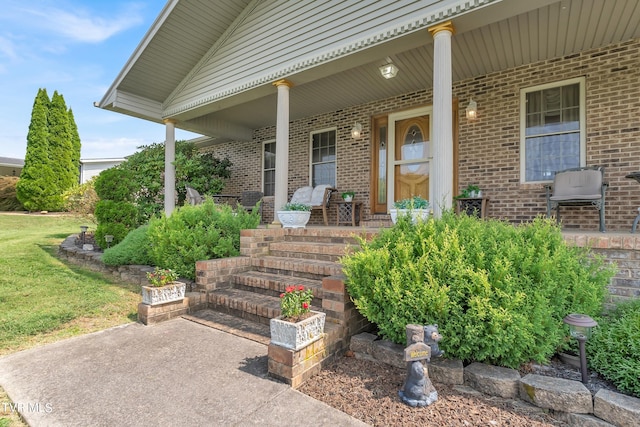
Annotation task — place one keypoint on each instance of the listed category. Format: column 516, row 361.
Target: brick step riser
column 305, row 255
column 274, row 287
column 343, row 241
column 273, row 293
column 292, row 273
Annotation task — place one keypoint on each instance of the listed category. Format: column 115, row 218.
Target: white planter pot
column 416, row 214
column 294, row 219
column 152, row 295
column 295, row 336
column 347, row 198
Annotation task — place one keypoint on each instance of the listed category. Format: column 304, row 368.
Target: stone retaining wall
column 569, row 401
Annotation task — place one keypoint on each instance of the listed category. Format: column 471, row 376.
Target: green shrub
column 115, row 218
column 195, row 233
column 81, row 200
column 614, row 349
column 8, row 199
column 132, row 250
column 115, row 183
column 497, row 291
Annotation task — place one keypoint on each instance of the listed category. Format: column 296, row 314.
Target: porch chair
column 318, row 198
column 193, row 196
column 249, row 199
column 576, row 187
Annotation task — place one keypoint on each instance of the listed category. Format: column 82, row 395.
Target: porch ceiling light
column 388, row 71
column 472, row 110
column 356, row 132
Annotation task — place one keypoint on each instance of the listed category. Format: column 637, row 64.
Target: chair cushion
column 584, row 184
column 303, row 195
column 318, row 194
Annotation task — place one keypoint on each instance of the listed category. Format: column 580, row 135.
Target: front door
column 412, row 156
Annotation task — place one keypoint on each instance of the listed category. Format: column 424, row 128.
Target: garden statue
column 418, row 389
column 431, row 338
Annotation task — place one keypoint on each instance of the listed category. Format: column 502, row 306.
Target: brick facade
column 489, row 147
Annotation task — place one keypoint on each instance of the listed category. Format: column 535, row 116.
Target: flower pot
column 294, row 219
column 295, row 336
column 152, row 295
column 347, row 198
column 416, row 214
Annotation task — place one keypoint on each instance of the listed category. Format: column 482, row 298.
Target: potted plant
column 415, row 206
column 298, row 325
column 163, row 287
column 294, row 215
column 347, row 196
column 472, row 191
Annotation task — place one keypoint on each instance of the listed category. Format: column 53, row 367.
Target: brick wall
column 489, row 147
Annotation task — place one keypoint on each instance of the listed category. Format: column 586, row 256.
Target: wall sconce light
column 356, row 132
column 388, row 71
column 580, row 326
column 472, row 110
column 108, row 238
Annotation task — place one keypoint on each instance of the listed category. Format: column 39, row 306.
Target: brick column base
column 295, row 367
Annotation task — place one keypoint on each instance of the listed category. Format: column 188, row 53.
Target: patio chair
column 576, row 187
column 193, row 196
column 318, row 198
column 249, row 199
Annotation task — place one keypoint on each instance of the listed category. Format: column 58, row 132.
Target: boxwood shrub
column 132, row 250
column 195, row 233
column 497, row 291
column 614, row 349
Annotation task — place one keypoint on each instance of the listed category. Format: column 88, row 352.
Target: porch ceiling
column 502, row 35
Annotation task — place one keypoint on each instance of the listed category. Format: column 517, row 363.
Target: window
column 269, row 168
column 552, row 129
column 323, row 157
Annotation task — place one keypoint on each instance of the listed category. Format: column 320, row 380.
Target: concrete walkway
column 176, row 373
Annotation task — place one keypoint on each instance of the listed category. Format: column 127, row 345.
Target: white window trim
column 523, row 123
column 264, row 143
column 335, row 171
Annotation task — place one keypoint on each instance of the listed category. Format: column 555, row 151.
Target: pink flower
column 301, row 288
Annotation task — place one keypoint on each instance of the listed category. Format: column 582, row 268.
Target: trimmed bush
column 133, row 250
column 81, row 200
column 8, row 199
column 115, row 218
column 196, row 233
column 614, row 349
column 498, row 292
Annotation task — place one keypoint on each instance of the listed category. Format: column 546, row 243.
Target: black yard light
column 83, row 231
column 108, row 238
column 580, row 326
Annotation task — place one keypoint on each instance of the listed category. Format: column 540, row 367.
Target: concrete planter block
column 556, row 393
column 295, row 336
column 152, row 295
column 492, row 380
column 618, row 409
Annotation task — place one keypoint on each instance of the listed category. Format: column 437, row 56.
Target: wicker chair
column 318, row 197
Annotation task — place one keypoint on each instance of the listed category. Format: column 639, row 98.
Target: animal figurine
column 431, row 338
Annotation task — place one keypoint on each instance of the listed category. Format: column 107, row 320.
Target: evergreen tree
column 61, row 148
column 36, row 189
column 75, row 142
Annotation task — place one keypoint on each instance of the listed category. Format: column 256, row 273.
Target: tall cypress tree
column 61, row 147
column 36, row 188
column 76, row 144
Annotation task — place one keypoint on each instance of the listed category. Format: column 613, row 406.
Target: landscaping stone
column 492, row 380
column 446, row 371
column 618, row 409
column 362, row 343
column 556, row 393
column 389, row 353
column 581, row 420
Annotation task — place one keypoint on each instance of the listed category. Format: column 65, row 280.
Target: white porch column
column 282, row 148
column 169, row 168
column 442, row 164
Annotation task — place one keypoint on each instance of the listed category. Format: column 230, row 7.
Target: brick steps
column 273, row 284
column 304, row 268
column 322, row 251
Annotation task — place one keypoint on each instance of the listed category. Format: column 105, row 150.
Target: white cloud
column 7, row 48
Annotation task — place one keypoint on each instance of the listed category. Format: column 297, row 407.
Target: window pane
column 548, row 154
column 323, row 155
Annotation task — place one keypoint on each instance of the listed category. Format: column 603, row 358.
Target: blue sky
column 76, row 47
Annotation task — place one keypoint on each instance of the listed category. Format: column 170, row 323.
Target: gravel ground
column 369, row 391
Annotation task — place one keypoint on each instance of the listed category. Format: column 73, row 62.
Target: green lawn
column 43, row 299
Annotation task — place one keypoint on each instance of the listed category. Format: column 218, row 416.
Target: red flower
column 305, row 305
column 282, row 295
column 290, row 289
column 301, row 288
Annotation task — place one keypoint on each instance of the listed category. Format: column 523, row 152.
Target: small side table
column 349, row 213
column 636, row 176
column 473, row 206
